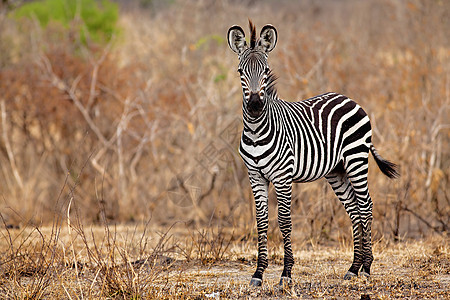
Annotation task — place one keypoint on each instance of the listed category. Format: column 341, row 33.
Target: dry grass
column 130, row 262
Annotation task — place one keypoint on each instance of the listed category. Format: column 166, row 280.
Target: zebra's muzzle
column 255, row 105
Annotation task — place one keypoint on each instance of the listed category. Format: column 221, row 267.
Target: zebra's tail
column 388, row 168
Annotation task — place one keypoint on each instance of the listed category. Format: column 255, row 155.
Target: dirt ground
column 413, row 270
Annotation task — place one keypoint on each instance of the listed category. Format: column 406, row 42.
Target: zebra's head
column 256, row 77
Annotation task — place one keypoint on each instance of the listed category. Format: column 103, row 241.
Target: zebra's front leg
column 284, row 191
column 260, row 187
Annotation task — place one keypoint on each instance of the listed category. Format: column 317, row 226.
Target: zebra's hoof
column 255, row 282
column 365, row 274
column 349, row 275
column 285, row 282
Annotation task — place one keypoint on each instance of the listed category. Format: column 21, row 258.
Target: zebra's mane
column 252, row 34
column 271, row 90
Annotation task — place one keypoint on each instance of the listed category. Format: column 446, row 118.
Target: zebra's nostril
column 254, row 97
column 255, row 104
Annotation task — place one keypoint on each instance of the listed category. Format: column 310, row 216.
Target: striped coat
column 285, row 142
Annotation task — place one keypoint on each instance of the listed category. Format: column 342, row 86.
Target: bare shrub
column 207, row 245
column 29, row 263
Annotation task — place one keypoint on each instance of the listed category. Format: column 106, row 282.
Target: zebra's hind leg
column 344, row 191
column 357, row 173
column 260, row 187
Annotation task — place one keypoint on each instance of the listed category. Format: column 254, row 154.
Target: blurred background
column 132, row 109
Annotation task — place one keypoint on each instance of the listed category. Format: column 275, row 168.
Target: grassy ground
column 130, row 262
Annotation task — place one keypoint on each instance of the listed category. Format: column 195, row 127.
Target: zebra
column 284, row 142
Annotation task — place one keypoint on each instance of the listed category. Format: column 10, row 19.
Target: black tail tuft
column 388, row 168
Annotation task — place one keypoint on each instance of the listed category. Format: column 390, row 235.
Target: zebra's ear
column 236, row 39
column 268, row 38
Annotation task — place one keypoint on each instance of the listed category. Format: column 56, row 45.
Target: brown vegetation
column 150, row 123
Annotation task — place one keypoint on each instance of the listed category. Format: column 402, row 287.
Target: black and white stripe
column 284, row 142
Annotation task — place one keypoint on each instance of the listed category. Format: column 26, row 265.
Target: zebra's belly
column 311, row 166
column 311, row 177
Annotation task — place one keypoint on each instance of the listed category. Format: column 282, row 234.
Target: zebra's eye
column 267, row 70
column 240, row 71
